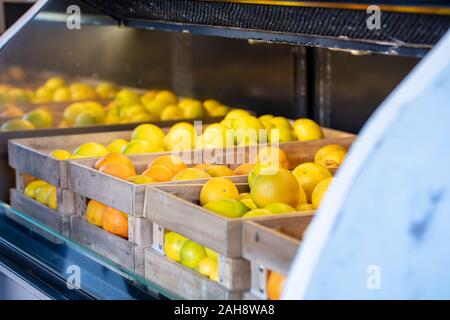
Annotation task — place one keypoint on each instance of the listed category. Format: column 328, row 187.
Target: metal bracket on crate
column 158, row 238
column 259, row 275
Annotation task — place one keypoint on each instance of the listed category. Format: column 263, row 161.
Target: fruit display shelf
column 175, row 208
column 87, row 182
column 270, row 244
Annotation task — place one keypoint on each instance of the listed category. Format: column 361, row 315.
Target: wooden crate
column 270, row 244
column 126, row 253
column 182, row 281
column 175, row 207
column 55, row 220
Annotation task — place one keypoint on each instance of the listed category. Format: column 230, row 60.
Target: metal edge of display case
column 357, row 47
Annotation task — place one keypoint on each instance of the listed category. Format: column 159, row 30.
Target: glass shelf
column 100, row 278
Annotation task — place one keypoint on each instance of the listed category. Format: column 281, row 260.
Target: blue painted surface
column 397, row 213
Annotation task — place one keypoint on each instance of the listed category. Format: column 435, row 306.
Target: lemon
column 116, row 145
column 220, row 111
column 267, row 117
column 319, row 192
column 97, row 109
column 141, row 179
column 207, row 266
column 191, row 254
column 106, row 90
column 211, row 104
column 280, row 134
column 217, row 189
column 236, row 114
column 62, row 94
column 194, row 110
column 212, row 254
column 42, row 194
column 139, row 146
column 30, row 190
column 215, row 136
column 249, row 203
column 90, row 149
column 304, row 207
column 52, row 197
column 257, row 213
column 166, row 95
column 54, row 83
column 43, row 95
column 279, row 187
column 244, row 195
column 273, row 156
column 230, row 208
column 172, row 113
column 82, row 92
column 278, row 207
column 307, row 129
column 219, row 171
column 154, row 107
column 142, row 117
column 309, row 174
column 191, row 174
column 72, row 111
column 330, row 156
column 173, row 242
column 60, row 154
column 247, row 128
column 227, row 123
column 149, row 132
column 180, row 137
column 17, row 125
column 261, row 168
column 85, row 119
column 125, row 98
column 281, row 122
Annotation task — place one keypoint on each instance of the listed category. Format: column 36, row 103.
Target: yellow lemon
column 191, row 174
column 91, row 149
column 126, row 97
column 307, row 129
column 155, row 107
column 219, row 171
column 54, row 83
column 17, row 125
column 167, row 96
column 42, row 194
column 60, row 154
column 304, row 207
column 30, row 190
column 217, row 189
column 319, row 192
column 212, row 254
column 52, row 202
column 149, row 132
column 207, row 266
column 330, row 156
column 72, row 111
column 116, row 145
column 138, row 147
column 278, row 207
column 106, row 90
column 141, row 179
column 172, row 113
column 211, row 104
column 249, row 204
column 230, row 208
column 62, row 94
column 173, row 242
column 257, row 213
column 309, row 174
column 191, row 254
column 236, row 114
column 281, row 122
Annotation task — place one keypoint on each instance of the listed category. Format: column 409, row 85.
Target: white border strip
column 318, row 233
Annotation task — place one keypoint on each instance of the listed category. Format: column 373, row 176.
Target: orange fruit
column 275, row 284
column 94, row 212
column 243, row 169
column 218, row 189
column 159, row 173
column 118, row 169
column 277, row 187
column 115, row 222
column 273, row 156
column 113, row 157
column 172, row 162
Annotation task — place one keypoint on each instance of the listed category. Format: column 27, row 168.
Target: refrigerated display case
column 318, row 60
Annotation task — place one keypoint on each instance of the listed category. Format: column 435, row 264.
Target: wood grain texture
column 182, row 281
column 274, row 241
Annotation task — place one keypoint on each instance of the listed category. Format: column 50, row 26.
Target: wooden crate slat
column 182, row 281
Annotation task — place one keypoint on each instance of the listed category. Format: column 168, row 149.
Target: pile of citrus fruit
column 192, row 255
column 43, row 192
column 110, row 219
